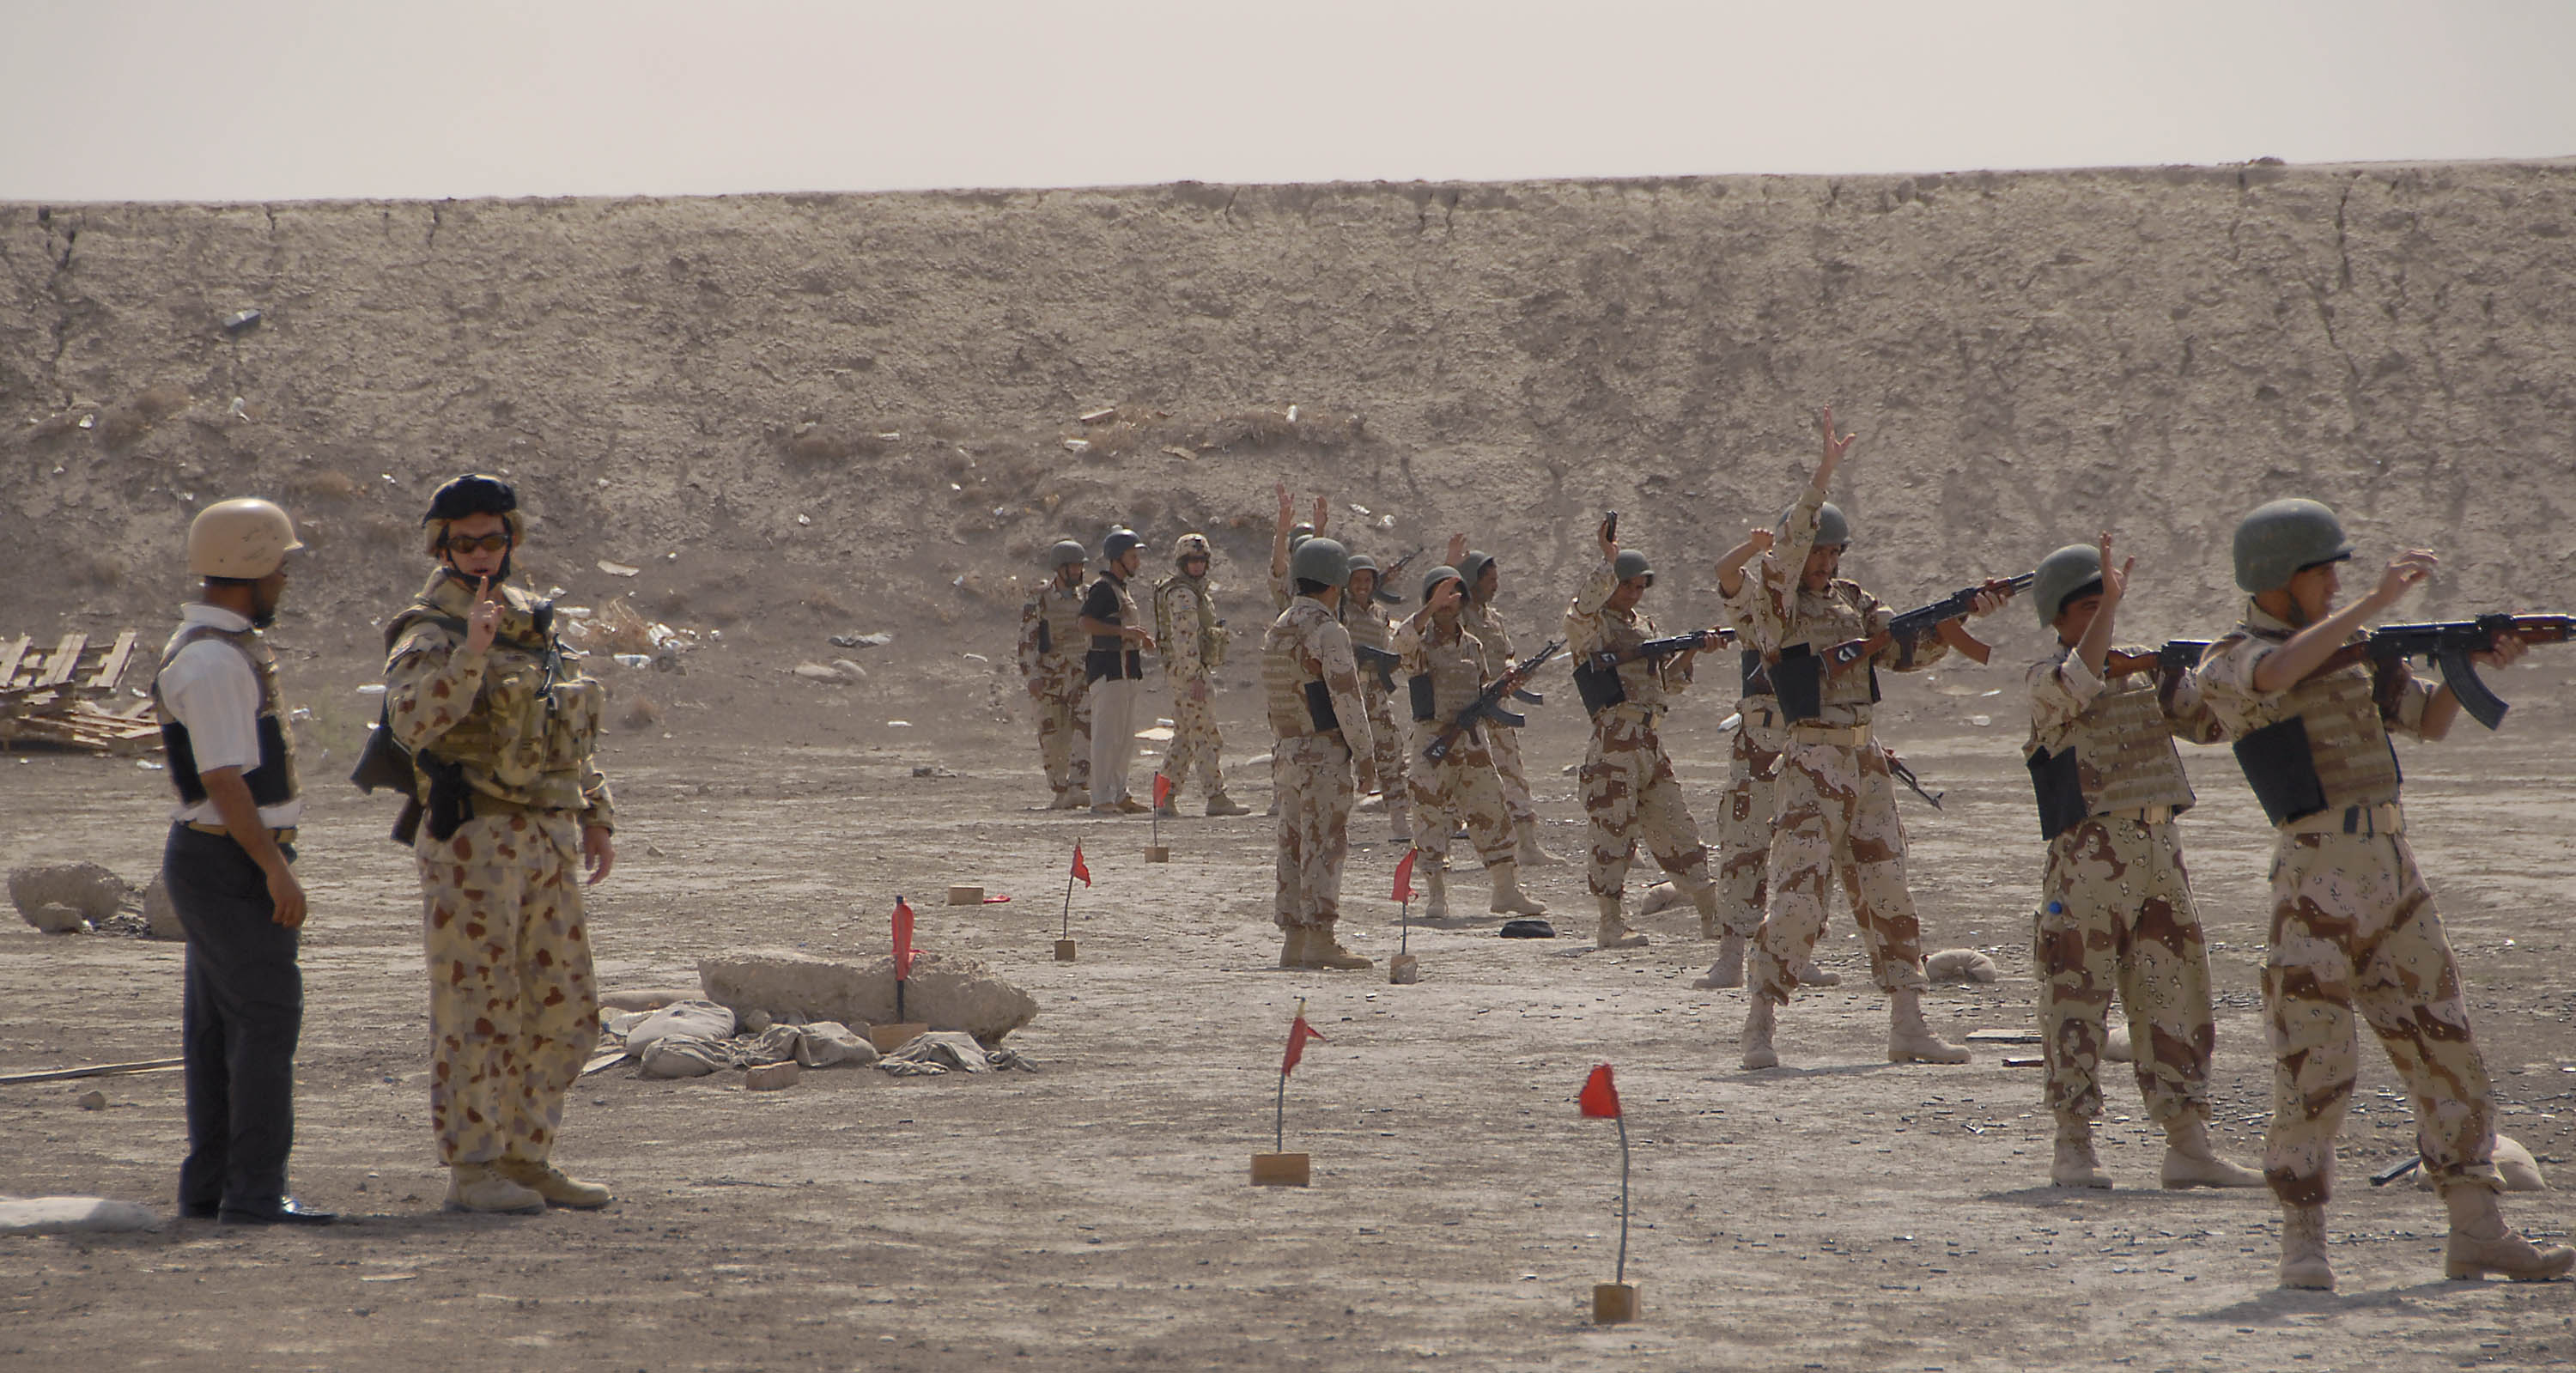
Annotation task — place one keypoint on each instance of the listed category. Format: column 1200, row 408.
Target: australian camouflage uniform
column 1050, row 656
column 1192, row 644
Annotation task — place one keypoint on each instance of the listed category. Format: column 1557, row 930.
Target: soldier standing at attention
column 1629, row 790
column 1193, row 648
column 1484, row 578
column 229, row 868
column 504, row 739
column 1372, row 636
column 1444, row 673
column 1311, row 687
column 2116, row 906
column 2353, row 925
column 1114, row 668
column 1051, row 656
column 1835, row 797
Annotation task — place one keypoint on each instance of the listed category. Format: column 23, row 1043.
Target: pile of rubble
column 66, row 697
column 81, row 898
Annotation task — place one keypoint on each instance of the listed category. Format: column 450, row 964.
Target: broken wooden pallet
column 65, row 696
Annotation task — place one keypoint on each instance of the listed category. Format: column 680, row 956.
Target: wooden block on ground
column 965, row 896
column 1158, row 853
column 1404, row 969
column 1279, row 1170
column 1064, row 951
column 889, row 1038
column 771, row 1077
column 1614, row 1303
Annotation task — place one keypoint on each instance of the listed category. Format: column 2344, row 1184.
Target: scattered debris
column 877, row 640
column 1102, row 415
column 241, row 322
column 1961, row 965
column 932, row 770
column 56, row 919
column 817, row 672
column 942, row 1051
column 619, row 569
column 146, row 1065
column 1077, row 445
column 87, row 890
column 67, row 1215
column 616, row 629
column 61, row 698
column 1528, row 928
column 771, row 1077
column 92, row 1100
column 947, row 991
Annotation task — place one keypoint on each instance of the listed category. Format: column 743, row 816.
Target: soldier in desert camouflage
column 1372, row 636
column 1443, row 670
column 1050, row 656
column 1311, row 690
column 1484, row 578
column 2116, row 912
column 2353, row 925
column 1192, row 640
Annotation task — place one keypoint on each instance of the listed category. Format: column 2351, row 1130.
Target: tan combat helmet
column 240, row 540
column 1191, row 546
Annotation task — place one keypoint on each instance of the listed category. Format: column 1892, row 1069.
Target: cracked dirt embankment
column 2030, row 355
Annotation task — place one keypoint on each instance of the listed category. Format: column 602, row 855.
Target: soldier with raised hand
column 2353, row 924
column 1484, row 619
column 1285, row 538
column 1193, row 648
column 1835, row 796
column 1311, row 689
column 2116, row 912
column 1371, row 631
column 504, row 737
column 229, row 867
column 1114, row 669
column 1444, row 672
column 1052, row 648
column 1629, row 791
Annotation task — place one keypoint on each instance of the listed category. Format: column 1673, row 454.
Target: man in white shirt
column 229, row 869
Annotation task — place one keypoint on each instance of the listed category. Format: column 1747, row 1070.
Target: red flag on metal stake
column 1078, row 869
column 1599, row 1097
column 1404, row 876
column 902, row 940
column 1162, row 791
column 1298, row 1033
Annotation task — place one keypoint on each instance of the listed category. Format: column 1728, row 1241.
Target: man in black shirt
column 1115, row 668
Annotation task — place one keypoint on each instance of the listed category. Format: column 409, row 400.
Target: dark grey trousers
column 243, row 1010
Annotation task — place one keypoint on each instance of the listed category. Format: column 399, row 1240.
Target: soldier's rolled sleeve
column 599, row 808
column 430, row 685
column 2226, row 678
column 2187, row 712
column 2060, row 690
column 1595, row 590
column 2408, row 719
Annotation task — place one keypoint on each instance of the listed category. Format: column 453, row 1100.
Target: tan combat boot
column 1323, row 950
column 481, row 1187
column 1435, row 893
column 1758, row 1023
column 1728, row 970
column 1399, row 828
column 1614, row 932
column 1292, row 947
column 2075, row 1164
column 1809, row 975
column 2191, row 1162
column 2481, row 1243
column 1711, row 924
column 1509, row 899
column 1533, row 853
column 1909, row 1039
column 2303, row 1249
column 1223, row 805
column 550, row 1182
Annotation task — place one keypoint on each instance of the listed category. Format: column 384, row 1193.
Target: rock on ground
column 160, row 918
column 85, row 887
column 1961, row 965
column 55, row 919
column 64, row 1215
column 950, row 992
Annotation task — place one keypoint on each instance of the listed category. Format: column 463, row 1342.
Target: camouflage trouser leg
column 1744, row 833
column 1464, row 785
column 2353, row 927
column 1194, row 739
column 1386, row 740
column 1313, row 777
column 1837, row 809
column 513, row 1011
column 1064, row 730
column 2117, row 914
column 1631, row 797
column 1505, row 744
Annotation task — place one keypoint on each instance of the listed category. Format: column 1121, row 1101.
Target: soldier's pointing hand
column 484, row 620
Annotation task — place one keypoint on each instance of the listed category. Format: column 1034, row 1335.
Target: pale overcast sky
column 292, row 99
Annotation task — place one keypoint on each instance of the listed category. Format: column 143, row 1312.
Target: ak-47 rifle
column 1920, row 623
column 1609, row 659
column 1896, row 768
column 2448, row 644
column 1488, row 704
column 1387, row 579
column 2174, row 656
column 1379, row 661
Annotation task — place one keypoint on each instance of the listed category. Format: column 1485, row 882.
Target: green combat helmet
column 1299, row 533
column 1472, row 569
column 2279, row 539
column 1432, row 579
column 2072, row 571
column 1357, row 564
column 1630, row 565
column 1321, row 561
column 1066, row 551
column 1833, row 529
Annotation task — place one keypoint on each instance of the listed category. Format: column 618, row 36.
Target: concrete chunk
column 949, row 992
column 85, row 887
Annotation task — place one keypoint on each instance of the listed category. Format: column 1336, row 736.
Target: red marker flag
column 1298, row 1033
column 1162, row 791
column 1404, row 876
column 902, row 940
column 1079, row 870
column 1599, row 1097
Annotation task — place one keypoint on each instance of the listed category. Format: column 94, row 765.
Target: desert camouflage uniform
column 1192, row 644
column 1051, row 648
column 1305, row 663
column 1462, row 784
column 1368, row 627
column 513, row 1010
column 2353, row 927
column 2116, row 910
column 1629, row 790
column 1834, row 798
column 1752, row 764
column 1486, row 623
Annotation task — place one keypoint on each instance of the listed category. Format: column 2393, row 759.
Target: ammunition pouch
column 2061, row 796
column 451, row 797
column 1600, row 688
column 1757, row 681
column 1425, row 699
column 1798, row 679
column 1319, row 707
column 2282, row 768
column 1046, row 636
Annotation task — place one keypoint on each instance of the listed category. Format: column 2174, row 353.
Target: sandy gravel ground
column 1839, row 1213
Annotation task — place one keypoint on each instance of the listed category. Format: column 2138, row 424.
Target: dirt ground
column 1837, row 1213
